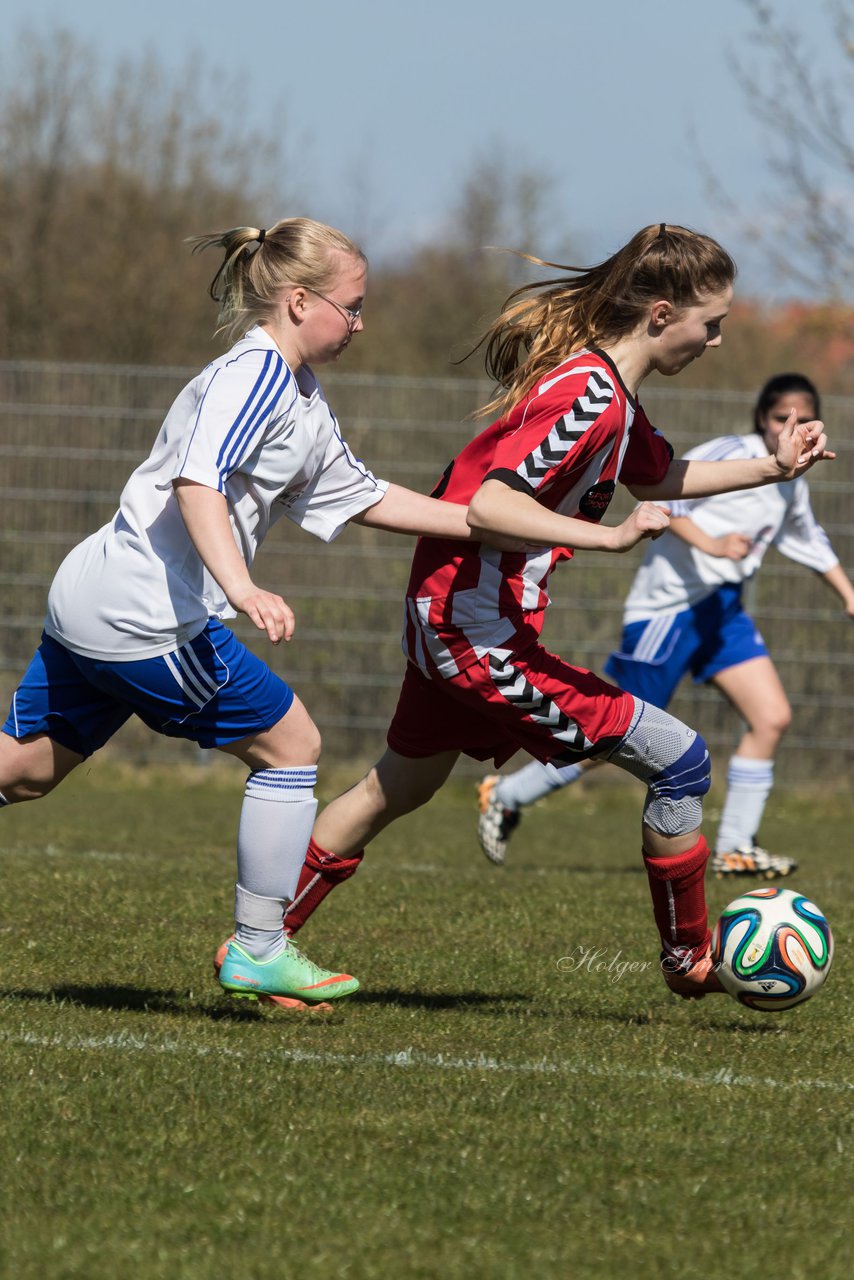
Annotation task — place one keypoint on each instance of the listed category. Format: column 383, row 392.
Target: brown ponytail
column 541, row 324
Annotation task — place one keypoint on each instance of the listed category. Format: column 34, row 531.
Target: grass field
column 478, row 1110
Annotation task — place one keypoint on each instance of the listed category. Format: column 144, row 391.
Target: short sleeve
column 233, row 413
column 801, row 538
column 648, row 455
column 341, row 488
column 553, row 431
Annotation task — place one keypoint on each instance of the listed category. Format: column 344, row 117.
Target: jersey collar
column 601, row 355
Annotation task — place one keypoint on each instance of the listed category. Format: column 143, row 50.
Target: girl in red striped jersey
column 685, row 612
column 569, row 356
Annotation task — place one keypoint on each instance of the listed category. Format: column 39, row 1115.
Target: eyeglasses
column 351, row 314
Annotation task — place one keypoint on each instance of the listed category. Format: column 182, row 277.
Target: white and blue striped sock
column 275, row 826
column 749, row 784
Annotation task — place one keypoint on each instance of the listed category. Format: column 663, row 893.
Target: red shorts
column 533, row 701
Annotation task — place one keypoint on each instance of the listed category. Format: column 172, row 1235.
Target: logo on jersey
column 597, row 500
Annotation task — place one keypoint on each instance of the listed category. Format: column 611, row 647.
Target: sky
column 622, row 106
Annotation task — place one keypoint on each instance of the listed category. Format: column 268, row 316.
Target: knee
column 29, row 788
column 28, row 771
column 286, row 747
column 775, row 720
column 675, row 798
column 309, row 746
column 296, row 744
column 689, row 777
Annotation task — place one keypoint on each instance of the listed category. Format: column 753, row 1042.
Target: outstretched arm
column 402, row 510
column 799, row 447
column 496, row 510
column 205, row 513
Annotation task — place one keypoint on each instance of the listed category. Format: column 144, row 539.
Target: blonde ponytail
column 258, row 263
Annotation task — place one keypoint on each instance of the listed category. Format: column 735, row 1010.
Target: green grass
column 476, row 1111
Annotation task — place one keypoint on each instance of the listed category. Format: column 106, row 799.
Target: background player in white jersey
column 684, row 613
column 134, row 620
column 570, row 355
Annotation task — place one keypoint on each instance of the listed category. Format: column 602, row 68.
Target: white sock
column 749, row 784
column 259, row 923
column 278, row 814
column 532, row 782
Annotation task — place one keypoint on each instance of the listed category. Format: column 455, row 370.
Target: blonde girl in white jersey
column 134, row 622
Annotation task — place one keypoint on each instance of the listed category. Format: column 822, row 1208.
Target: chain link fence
column 71, row 434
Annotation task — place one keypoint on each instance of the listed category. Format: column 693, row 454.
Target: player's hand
column 800, row 445
column 732, row 546
column 268, row 611
column 648, row 520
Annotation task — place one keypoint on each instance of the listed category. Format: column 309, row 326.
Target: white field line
column 53, row 851
column 124, row 1042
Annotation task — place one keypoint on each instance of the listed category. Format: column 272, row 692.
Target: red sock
column 679, row 898
column 321, row 872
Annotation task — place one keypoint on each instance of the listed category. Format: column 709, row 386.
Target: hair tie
column 662, row 231
column 262, row 236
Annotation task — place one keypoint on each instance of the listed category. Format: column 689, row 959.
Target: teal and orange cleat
column 290, row 980
column 220, row 955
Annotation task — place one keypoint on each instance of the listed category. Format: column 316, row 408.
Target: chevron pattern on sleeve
column 587, row 408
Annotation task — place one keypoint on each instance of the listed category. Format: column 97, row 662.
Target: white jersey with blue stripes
column 247, row 427
column 674, row 576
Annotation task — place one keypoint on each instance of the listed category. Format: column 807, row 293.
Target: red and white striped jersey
column 566, row 444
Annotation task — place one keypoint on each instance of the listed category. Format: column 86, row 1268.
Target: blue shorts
column 212, row 690
column 709, row 637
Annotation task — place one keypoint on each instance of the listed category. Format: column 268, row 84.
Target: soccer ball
column 772, row 948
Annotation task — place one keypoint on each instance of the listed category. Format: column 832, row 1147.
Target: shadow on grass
column 149, row 1000
column 588, row 1013
column 140, row 1000
column 394, row 997
column 767, row 1028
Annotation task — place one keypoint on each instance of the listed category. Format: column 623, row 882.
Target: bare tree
column 807, row 114
column 105, row 171
column 101, row 179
